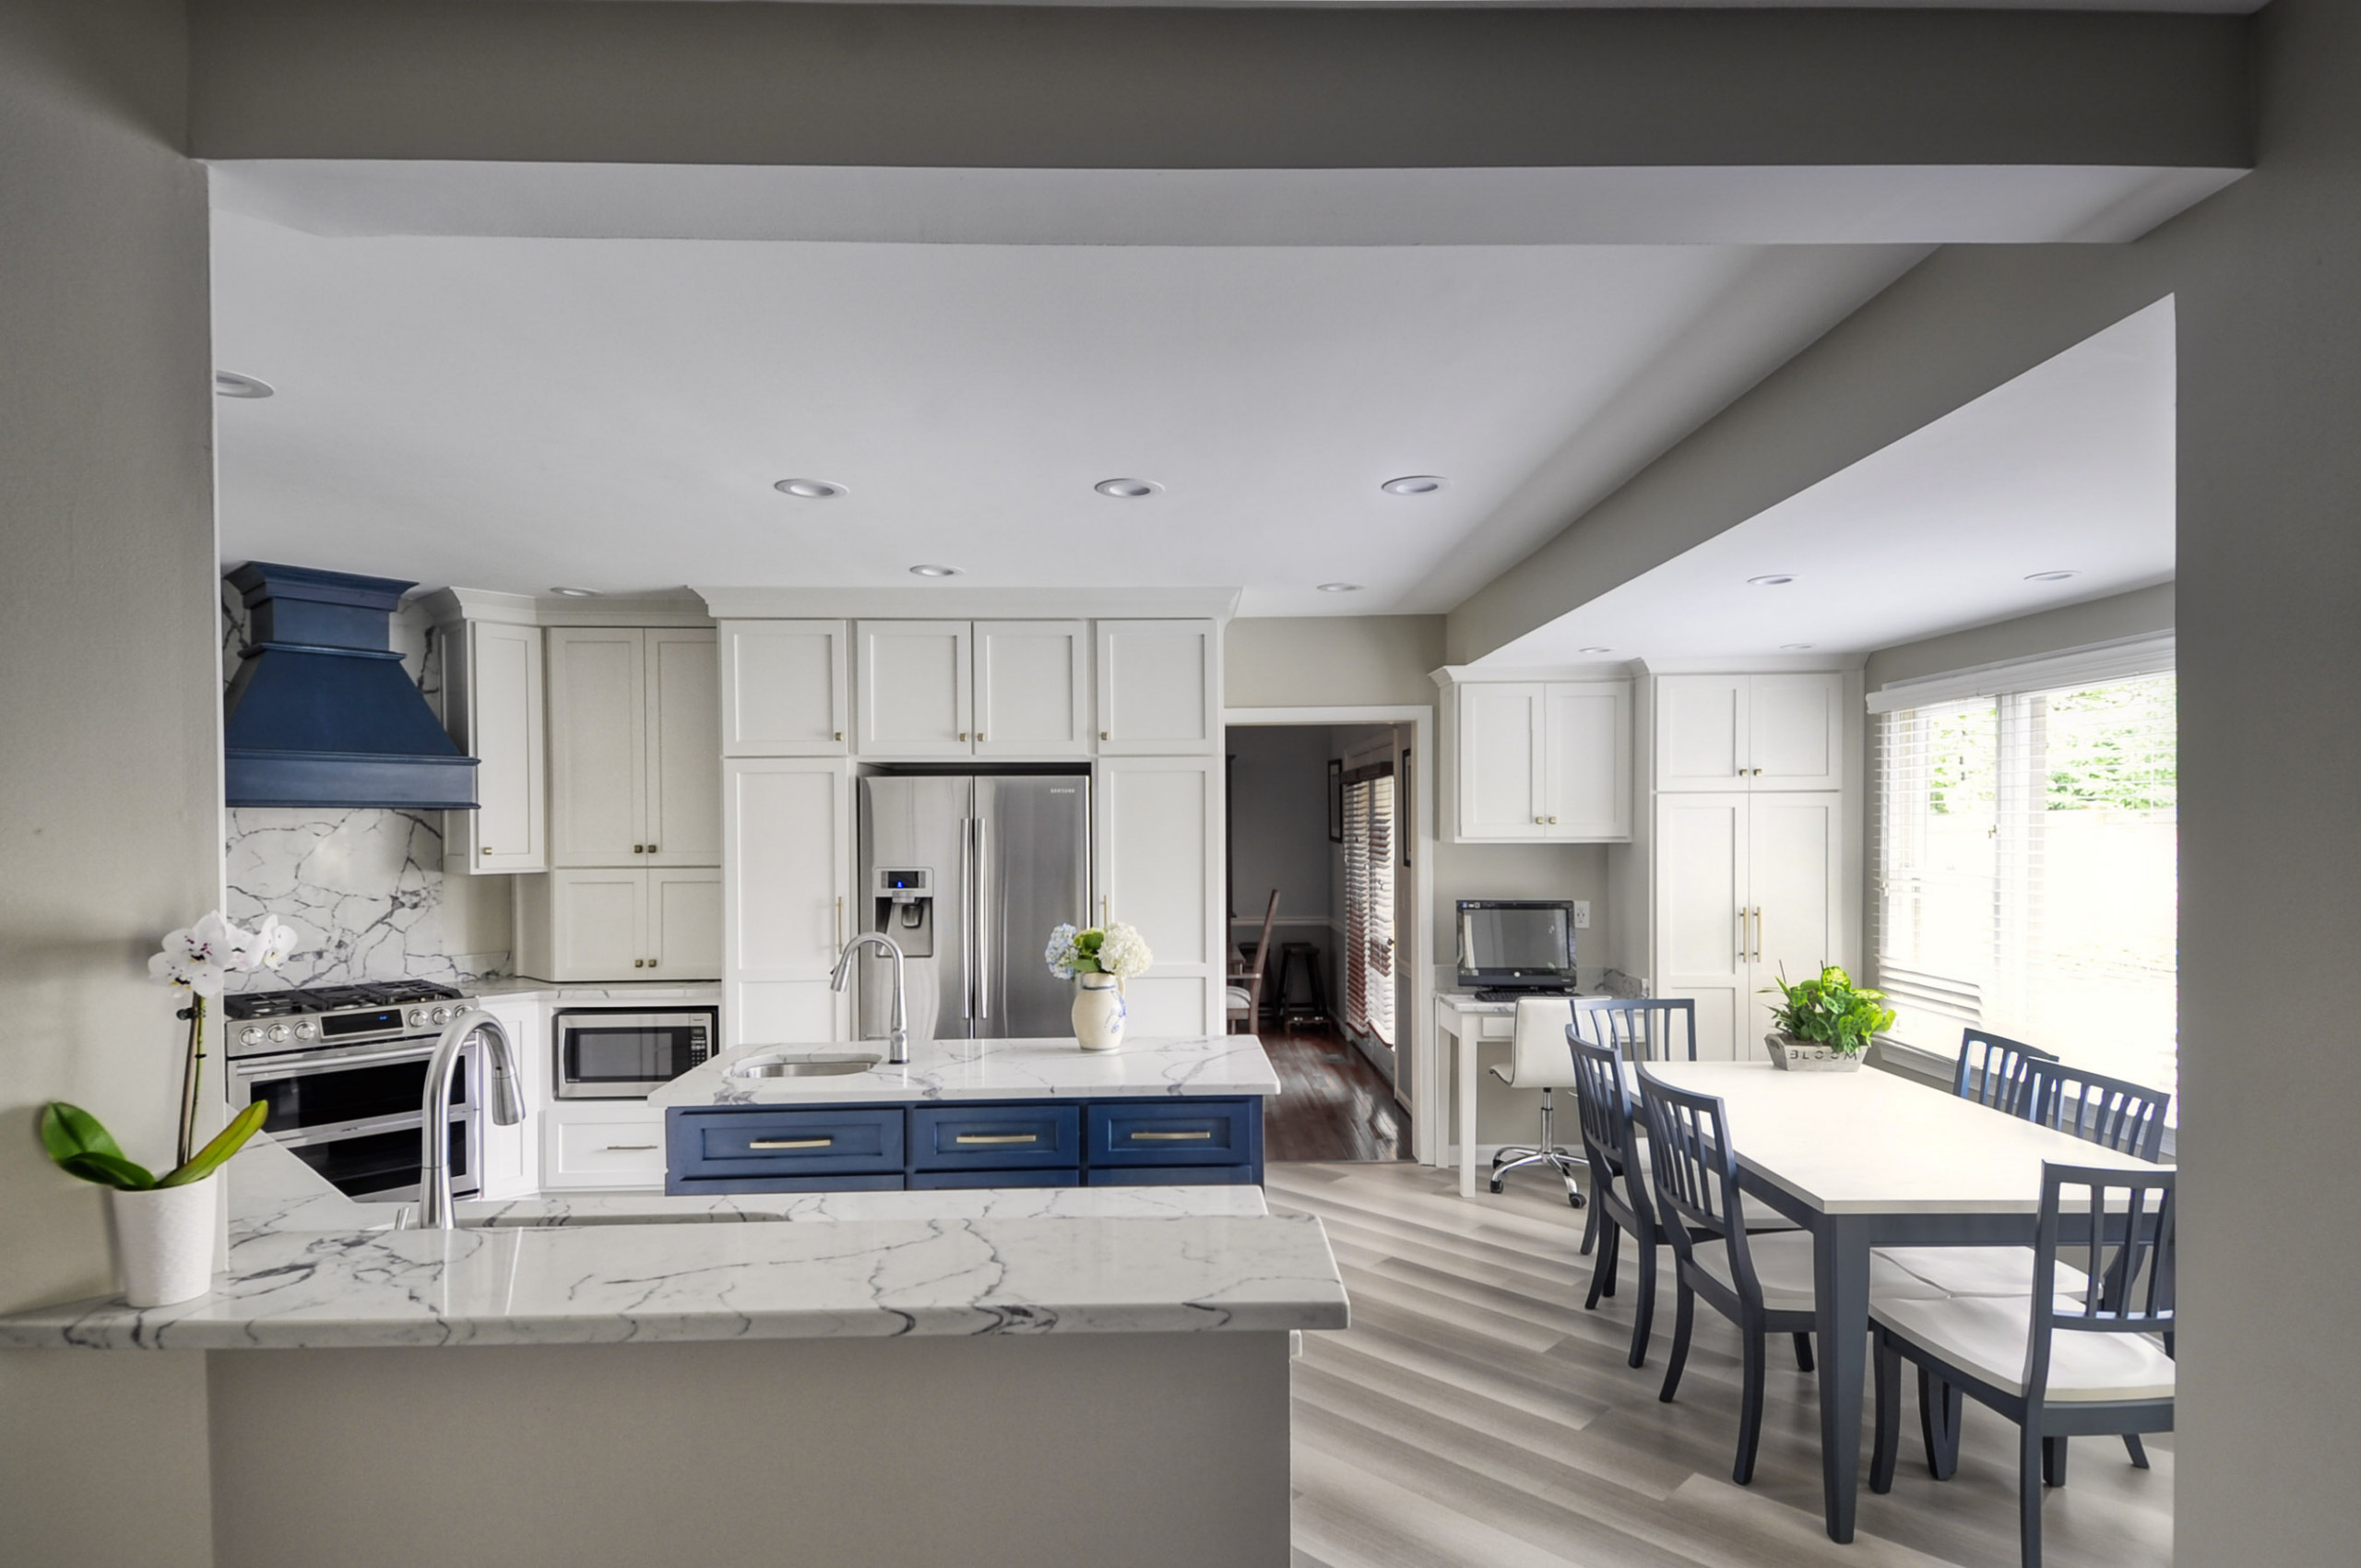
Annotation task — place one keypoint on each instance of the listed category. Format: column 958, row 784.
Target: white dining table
column 1866, row 1159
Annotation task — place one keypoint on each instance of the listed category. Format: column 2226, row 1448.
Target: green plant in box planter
column 1824, row 1024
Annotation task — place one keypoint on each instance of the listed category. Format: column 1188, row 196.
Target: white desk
column 1461, row 1021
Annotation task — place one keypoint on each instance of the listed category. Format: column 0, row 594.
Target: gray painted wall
column 109, row 793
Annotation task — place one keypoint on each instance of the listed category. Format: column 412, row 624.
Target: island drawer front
column 1173, row 1176
column 775, row 1142
column 719, row 1186
column 614, row 1150
column 995, row 1137
column 1056, row 1176
column 1174, row 1131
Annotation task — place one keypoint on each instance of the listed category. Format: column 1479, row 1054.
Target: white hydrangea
column 1123, row 952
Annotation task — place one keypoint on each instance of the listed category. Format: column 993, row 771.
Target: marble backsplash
column 363, row 888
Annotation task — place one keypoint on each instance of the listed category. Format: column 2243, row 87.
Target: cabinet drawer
column 1173, row 1176
column 783, row 1143
column 1050, row 1176
column 995, row 1137
column 1168, row 1131
column 623, row 1151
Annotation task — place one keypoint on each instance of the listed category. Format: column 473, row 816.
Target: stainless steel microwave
column 605, row 1053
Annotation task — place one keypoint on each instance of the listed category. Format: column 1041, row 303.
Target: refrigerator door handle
column 967, row 920
column 984, row 934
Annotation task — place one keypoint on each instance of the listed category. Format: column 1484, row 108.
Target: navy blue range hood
column 321, row 712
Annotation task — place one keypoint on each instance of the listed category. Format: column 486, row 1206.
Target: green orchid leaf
column 68, row 1130
column 108, row 1170
column 227, row 1142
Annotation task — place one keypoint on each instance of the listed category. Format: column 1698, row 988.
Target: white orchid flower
column 199, row 956
column 270, row 944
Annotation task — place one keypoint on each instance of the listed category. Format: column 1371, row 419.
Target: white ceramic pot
column 1803, row 1056
column 1098, row 1012
column 164, row 1241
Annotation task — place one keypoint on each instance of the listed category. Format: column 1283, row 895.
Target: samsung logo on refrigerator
column 1060, row 791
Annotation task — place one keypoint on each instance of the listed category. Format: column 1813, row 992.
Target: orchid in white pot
column 199, row 958
column 1098, row 960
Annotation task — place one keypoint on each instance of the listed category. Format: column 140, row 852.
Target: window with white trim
column 2026, row 862
column 1368, row 902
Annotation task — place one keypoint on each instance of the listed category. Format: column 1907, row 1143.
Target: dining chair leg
column 1644, row 1263
column 1614, row 1260
column 1602, row 1266
column 2137, row 1449
column 1886, row 1442
column 2029, row 1492
column 1590, row 1227
column 1941, row 1409
column 2053, row 1461
column 1684, row 1312
column 1803, row 1352
column 1749, row 1408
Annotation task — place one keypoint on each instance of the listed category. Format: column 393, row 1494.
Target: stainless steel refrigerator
column 968, row 874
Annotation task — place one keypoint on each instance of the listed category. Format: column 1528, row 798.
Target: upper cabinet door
column 1702, row 734
column 1795, row 732
column 495, row 704
column 915, row 692
column 683, row 749
column 783, row 688
column 1032, row 688
column 1158, row 687
column 684, row 923
column 1586, row 760
column 598, row 747
column 1502, row 780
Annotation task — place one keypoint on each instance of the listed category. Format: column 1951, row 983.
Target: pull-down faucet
column 507, row 1110
column 898, row 1035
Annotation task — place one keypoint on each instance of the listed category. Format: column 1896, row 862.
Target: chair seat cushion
column 1986, row 1335
column 1982, row 1271
column 1782, row 1267
column 1237, row 997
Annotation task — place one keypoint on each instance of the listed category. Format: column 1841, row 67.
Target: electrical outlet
column 1582, row 914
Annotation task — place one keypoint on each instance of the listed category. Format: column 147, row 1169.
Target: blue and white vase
column 1098, row 1012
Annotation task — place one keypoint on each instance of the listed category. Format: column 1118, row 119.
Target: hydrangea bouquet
column 1113, row 949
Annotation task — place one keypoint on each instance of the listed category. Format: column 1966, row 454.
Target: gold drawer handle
column 1200, row 1135
column 629, row 1148
column 998, row 1138
column 790, row 1143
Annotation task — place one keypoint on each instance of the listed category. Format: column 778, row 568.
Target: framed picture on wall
column 1335, row 800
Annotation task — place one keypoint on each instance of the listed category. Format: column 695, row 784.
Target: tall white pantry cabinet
column 1746, row 862
column 808, row 704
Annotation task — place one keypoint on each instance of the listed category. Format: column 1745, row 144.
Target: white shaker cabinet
column 511, row 1155
column 783, row 688
column 787, row 871
column 954, row 689
column 915, row 695
column 579, row 924
column 1541, row 761
column 616, row 1144
column 1750, row 731
column 492, row 709
column 635, row 746
column 1032, row 685
column 1160, row 832
column 1159, row 687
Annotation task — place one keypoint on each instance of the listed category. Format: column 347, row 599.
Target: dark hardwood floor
column 1333, row 1105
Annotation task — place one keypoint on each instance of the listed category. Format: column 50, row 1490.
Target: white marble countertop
column 312, row 1268
column 618, row 994
column 992, row 1069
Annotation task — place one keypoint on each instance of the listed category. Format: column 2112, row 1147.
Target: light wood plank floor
column 1475, row 1414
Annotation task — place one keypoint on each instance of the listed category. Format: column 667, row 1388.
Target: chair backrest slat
column 1609, row 1139
column 1991, row 1069
column 1695, row 1174
column 2091, row 1208
column 1656, row 1028
column 2112, row 1113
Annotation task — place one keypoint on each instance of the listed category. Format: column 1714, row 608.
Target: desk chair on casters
column 1538, row 1059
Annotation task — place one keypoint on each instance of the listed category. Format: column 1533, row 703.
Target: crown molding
column 940, row 602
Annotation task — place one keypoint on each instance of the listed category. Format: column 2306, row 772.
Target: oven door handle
column 271, row 1068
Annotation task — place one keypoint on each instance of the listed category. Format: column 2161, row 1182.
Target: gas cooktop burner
column 329, row 998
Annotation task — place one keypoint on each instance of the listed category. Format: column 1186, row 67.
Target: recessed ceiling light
column 1772, row 579
column 2050, row 576
column 933, row 571
column 1795, row 648
column 229, row 383
column 576, row 593
column 809, row 489
column 1340, row 587
column 1594, row 650
column 1413, row 484
column 1127, row 489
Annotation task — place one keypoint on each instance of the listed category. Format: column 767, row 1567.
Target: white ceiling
column 2067, row 468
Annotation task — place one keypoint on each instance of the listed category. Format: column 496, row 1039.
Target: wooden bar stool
column 1313, row 1011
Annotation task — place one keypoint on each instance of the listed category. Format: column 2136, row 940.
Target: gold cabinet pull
column 841, row 734
column 1105, row 736
column 485, row 851
column 651, row 963
column 630, row 1148
column 979, row 736
column 998, row 1138
column 840, row 922
column 790, row 1143
column 651, row 849
column 639, row 963
column 1200, row 1135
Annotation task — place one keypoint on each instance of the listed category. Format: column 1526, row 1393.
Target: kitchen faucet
column 899, row 1034
column 507, row 1110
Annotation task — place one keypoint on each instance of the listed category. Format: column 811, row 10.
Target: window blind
column 1369, row 903
column 2027, row 865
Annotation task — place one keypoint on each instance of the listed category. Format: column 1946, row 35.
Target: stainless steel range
column 343, row 1068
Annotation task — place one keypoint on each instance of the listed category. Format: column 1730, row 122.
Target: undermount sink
column 776, row 1066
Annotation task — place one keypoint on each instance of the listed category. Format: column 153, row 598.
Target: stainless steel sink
column 780, row 1066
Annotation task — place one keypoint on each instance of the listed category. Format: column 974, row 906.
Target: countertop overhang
column 1230, row 1065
